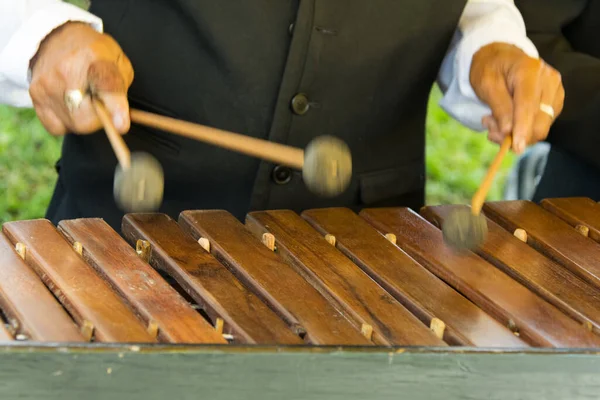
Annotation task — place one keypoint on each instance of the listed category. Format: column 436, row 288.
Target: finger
column 124, row 65
column 80, row 118
column 108, row 84
column 105, row 76
column 117, row 107
column 527, row 95
column 559, row 101
column 49, row 108
column 494, row 92
column 496, row 137
column 489, row 123
column 62, row 81
column 543, row 120
column 84, row 119
column 51, row 122
column 37, row 92
column 494, row 133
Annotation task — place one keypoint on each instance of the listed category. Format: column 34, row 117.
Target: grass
column 27, row 157
column 457, row 159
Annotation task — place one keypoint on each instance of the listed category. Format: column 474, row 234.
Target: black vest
column 282, row 70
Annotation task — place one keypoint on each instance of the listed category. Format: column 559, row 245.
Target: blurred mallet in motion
column 326, row 164
column 139, row 180
column 466, row 229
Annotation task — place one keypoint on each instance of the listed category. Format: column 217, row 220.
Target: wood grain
column 537, row 321
column 207, row 281
column 576, row 211
column 276, row 283
column 549, row 235
column 330, row 272
column 28, row 304
column 411, row 284
column 84, row 294
column 153, row 299
column 554, row 283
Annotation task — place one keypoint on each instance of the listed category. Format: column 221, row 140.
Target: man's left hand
column 525, row 94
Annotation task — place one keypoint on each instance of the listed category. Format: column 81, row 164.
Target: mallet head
column 463, row 230
column 327, row 166
column 140, row 187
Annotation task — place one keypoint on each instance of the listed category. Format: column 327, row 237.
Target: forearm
column 483, row 22
column 23, row 26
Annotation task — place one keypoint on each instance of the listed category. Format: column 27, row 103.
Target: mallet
column 465, row 228
column 139, row 180
column 326, row 164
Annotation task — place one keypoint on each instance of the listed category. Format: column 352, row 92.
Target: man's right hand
column 76, row 57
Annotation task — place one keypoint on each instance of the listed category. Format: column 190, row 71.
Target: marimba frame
column 118, row 371
column 58, row 370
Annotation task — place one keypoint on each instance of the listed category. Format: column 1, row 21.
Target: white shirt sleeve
column 482, row 22
column 23, row 26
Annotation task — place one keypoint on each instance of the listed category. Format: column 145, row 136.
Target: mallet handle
column 274, row 152
column 481, row 194
column 116, row 140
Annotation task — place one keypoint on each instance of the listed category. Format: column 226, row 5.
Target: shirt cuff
column 460, row 100
column 24, row 44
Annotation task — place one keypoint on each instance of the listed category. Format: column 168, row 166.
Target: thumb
column 108, row 84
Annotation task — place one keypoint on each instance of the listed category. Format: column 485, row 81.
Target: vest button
column 300, row 104
column 282, row 175
column 291, row 29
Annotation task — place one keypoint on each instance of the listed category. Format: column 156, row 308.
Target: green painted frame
column 181, row 372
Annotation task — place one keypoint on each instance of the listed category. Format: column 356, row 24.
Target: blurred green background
column 457, row 160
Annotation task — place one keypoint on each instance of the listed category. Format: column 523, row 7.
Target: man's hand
column 76, row 57
column 517, row 88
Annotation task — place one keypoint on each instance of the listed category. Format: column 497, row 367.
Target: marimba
column 374, row 302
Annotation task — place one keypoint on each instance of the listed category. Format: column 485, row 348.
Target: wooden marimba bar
column 378, row 282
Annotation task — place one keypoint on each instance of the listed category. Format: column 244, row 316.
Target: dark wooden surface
column 207, row 281
column 536, row 320
column 576, row 211
column 143, row 288
column 551, row 281
column 28, row 304
column 332, row 273
column 549, row 235
column 271, row 278
column 414, row 286
column 335, row 374
column 83, row 293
